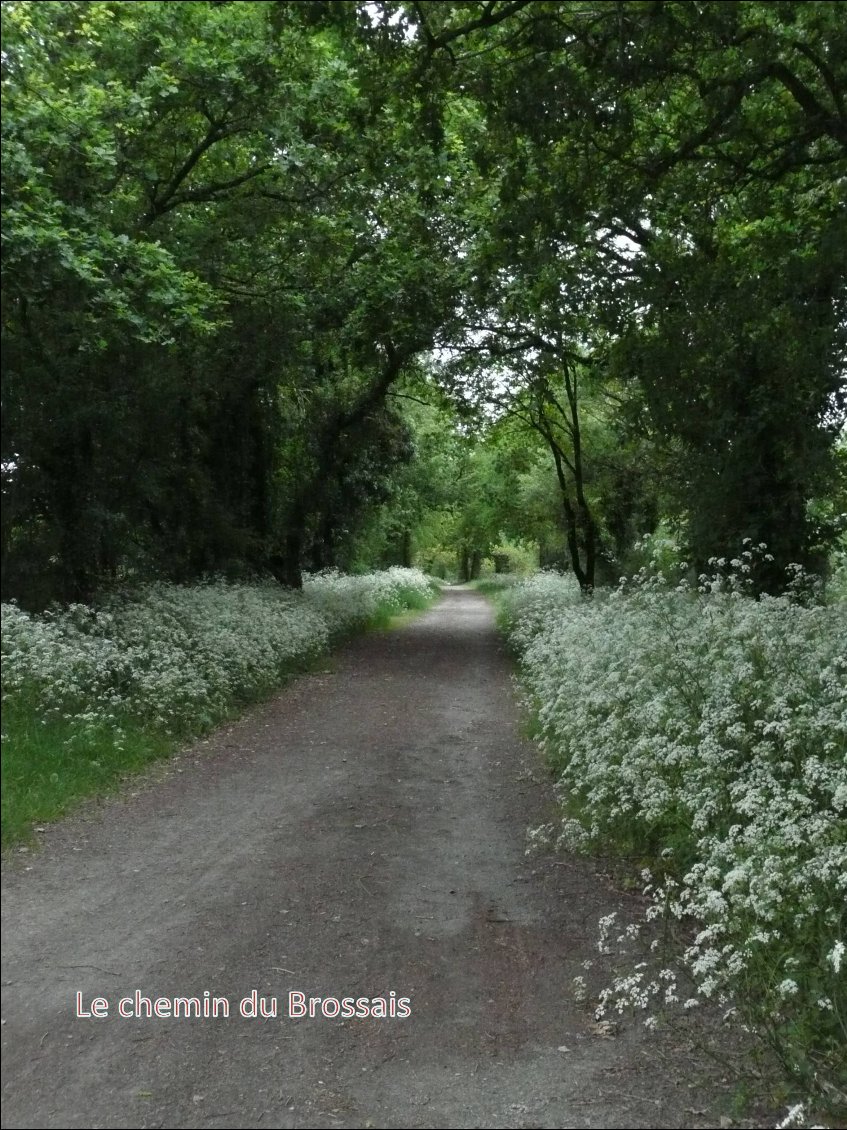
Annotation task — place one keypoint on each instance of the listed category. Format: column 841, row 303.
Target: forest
column 291, row 286
column 313, row 312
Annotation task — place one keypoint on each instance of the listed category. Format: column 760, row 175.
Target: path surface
column 361, row 833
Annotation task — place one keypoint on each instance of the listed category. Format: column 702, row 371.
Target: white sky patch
column 376, row 14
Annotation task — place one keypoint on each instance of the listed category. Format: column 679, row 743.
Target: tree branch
column 489, row 18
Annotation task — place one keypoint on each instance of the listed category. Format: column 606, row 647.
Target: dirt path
column 361, row 833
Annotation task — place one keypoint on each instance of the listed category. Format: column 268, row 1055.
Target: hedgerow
column 89, row 691
column 704, row 733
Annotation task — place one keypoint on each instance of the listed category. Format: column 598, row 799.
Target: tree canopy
column 294, row 285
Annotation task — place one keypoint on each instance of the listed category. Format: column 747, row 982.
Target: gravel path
column 361, row 833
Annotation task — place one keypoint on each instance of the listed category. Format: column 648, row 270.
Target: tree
column 211, row 271
column 231, row 230
column 688, row 156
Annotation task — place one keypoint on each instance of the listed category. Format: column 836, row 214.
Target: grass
column 414, row 603
column 48, row 766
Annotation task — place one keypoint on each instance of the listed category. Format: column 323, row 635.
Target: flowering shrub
column 706, row 732
column 348, row 602
column 177, row 658
column 90, row 694
column 529, row 605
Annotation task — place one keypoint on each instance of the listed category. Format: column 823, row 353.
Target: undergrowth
column 704, row 732
column 93, row 693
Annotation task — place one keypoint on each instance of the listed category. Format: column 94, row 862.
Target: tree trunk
column 464, row 565
column 406, row 549
column 286, row 567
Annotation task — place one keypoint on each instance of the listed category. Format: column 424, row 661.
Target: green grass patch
column 49, row 765
column 413, row 603
column 494, row 586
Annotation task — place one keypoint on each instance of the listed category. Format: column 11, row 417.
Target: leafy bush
column 706, row 733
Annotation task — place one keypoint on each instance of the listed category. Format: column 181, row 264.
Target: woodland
column 485, row 285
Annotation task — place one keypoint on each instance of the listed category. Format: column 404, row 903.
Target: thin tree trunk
column 464, row 565
column 586, row 523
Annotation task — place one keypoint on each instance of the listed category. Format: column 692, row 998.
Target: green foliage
column 211, row 279
column 45, row 772
column 662, row 199
column 614, row 232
